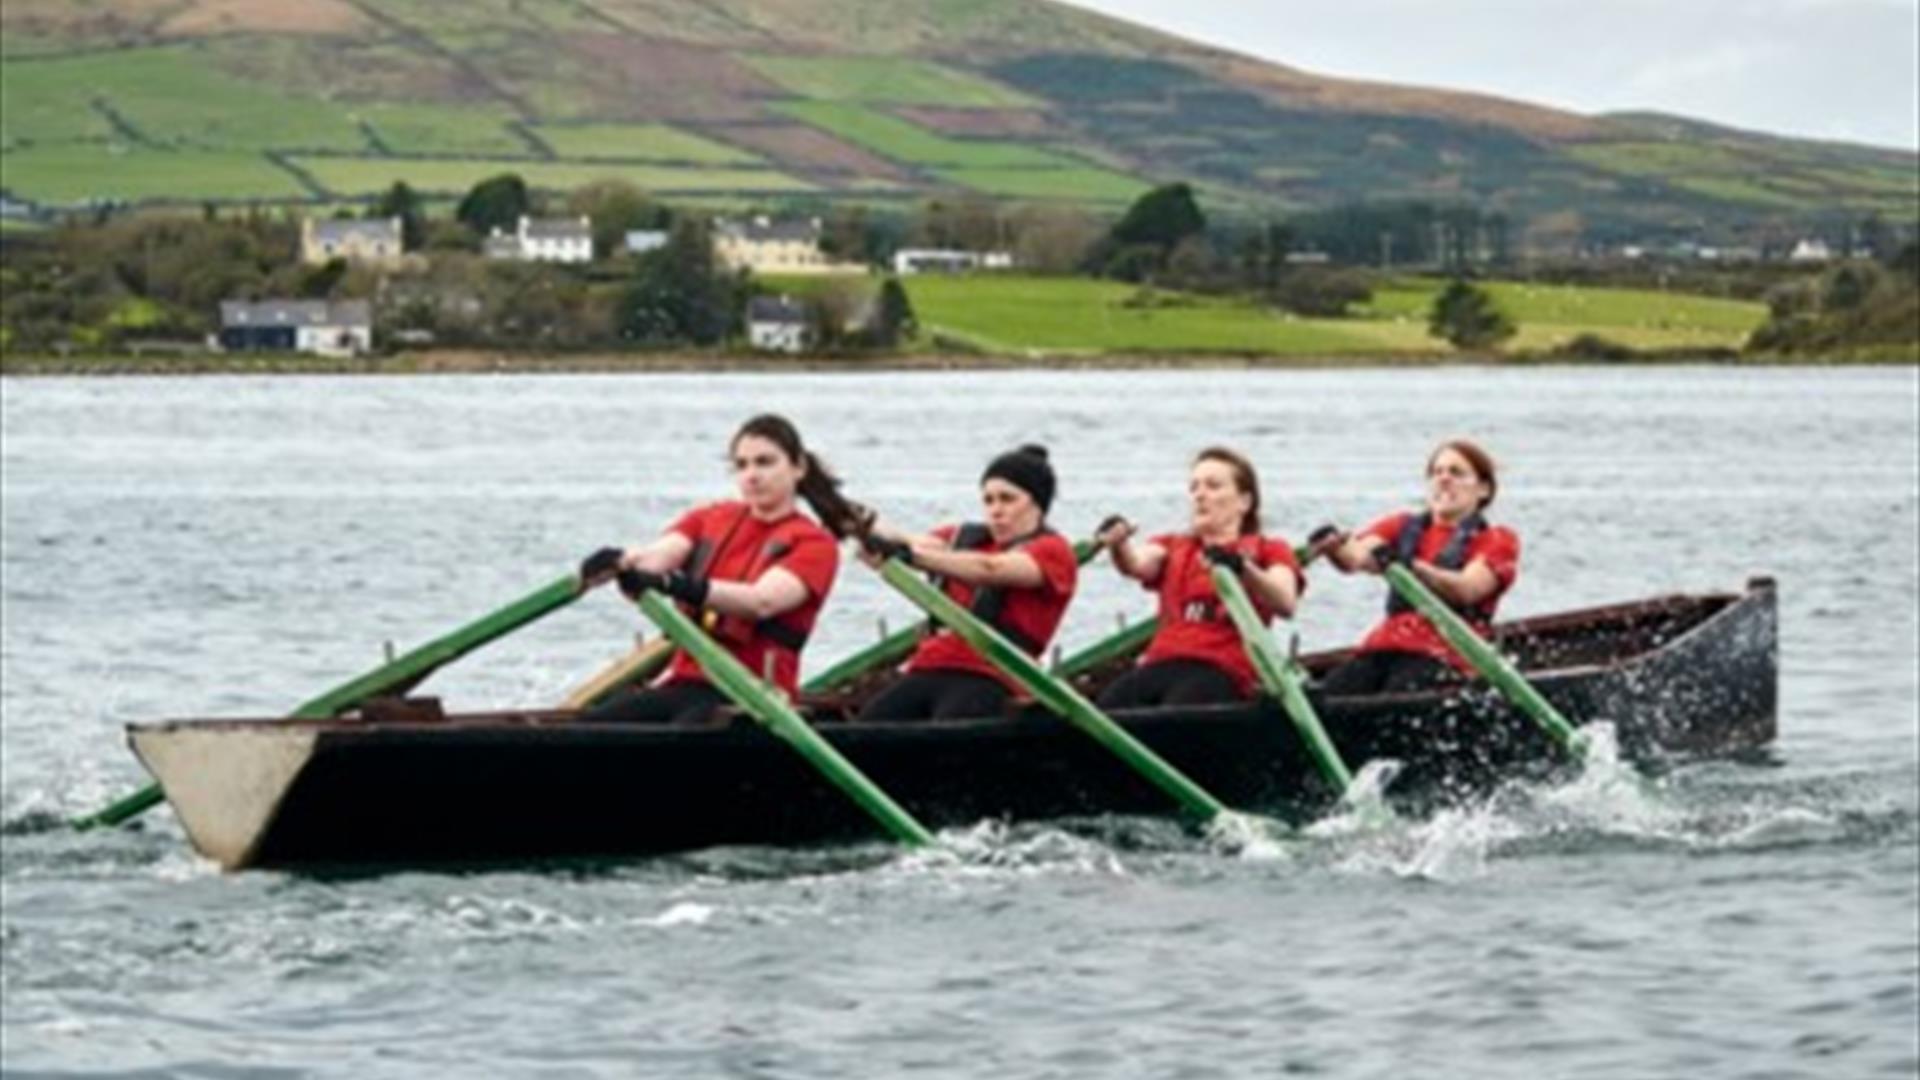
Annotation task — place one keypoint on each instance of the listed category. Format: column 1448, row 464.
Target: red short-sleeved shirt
column 1407, row 631
column 744, row 547
column 1035, row 613
column 1194, row 624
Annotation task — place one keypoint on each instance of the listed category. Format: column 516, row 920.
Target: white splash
column 1363, row 808
column 1249, row 837
column 685, row 913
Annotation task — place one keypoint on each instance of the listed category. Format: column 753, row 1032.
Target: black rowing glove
column 679, row 586
column 882, row 547
column 1227, row 557
column 600, row 563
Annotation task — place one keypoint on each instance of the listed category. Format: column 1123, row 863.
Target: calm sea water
column 222, row 546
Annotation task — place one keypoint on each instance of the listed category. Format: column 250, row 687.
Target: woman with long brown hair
column 1196, row 656
column 753, row 570
column 1450, row 546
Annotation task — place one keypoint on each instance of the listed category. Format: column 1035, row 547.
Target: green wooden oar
column 1054, row 693
column 1282, row 678
column 1124, row 642
column 1497, row 669
column 733, row 679
column 897, row 646
column 397, row 675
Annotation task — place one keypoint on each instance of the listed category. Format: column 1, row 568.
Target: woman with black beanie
column 1011, row 570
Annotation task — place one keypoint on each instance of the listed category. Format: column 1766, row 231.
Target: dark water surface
column 229, row 546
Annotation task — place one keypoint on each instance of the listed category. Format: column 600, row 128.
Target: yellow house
column 774, row 247
column 375, row 241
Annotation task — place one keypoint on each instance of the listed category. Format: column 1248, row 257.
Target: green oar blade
column 1054, row 693
column 1282, row 678
column 1497, row 669
column 403, row 671
column 764, row 705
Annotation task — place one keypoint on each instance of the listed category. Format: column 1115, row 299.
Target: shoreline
column 480, row 362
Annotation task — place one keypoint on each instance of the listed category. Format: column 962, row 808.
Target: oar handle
column 1496, row 668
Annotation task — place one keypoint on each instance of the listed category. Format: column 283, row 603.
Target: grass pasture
column 885, row 80
column 1550, row 315
column 172, row 97
column 365, row 175
column 441, row 129
column 640, row 142
column 1077, row 183
column 1013, row 313
column 79, row 171
column 892, row 137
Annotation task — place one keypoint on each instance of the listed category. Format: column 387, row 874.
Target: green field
column 170, row 96
column 79, row 171
column 1011, row 313
column 441, row 129
column 881, row 80
column 365, row 176
column 1548, row 315
column 1079, row 184
column 1018, row 314
column 893, row 137
column 640, row 142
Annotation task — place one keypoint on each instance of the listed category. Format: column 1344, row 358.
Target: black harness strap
column 1451, row 557
column 989, row 602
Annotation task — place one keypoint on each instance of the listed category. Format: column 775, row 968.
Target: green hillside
column 322, row 100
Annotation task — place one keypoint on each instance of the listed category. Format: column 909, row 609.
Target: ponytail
column 818, row 485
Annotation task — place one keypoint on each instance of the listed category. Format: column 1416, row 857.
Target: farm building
column 319, row 327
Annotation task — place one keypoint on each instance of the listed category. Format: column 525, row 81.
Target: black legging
column 939, row 695
column 1386, row 673
column 688, row 702
column 1171, row 682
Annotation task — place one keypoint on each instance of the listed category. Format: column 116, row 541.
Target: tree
column 400, row 201
column 494, row 203
column 1052, row 239
column 1466, row 316
column 616, row 207
column 1319, row 292
column 893, row 319
column 678, row 294
column 1161, row 218
column 1144, row 238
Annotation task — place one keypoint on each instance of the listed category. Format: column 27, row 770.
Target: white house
column 554, row 240
column 777, row 324
column 641, row 241
column 1810, row 250
column 320, row 327
column 948, row 261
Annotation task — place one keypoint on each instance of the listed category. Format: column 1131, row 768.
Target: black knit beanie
column 1026, row 469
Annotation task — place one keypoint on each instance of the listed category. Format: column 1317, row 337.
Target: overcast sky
column 1833, row 69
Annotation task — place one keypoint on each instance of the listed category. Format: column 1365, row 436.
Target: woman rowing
column 1449, row 545
column 1011, row 570
column 755, row 570
column 1196, row 656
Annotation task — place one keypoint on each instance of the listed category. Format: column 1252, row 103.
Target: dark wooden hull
column 1680, row 676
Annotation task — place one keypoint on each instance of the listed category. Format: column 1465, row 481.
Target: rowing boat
column 400, row 781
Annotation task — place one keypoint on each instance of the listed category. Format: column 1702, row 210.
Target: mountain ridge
column 836, row 99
